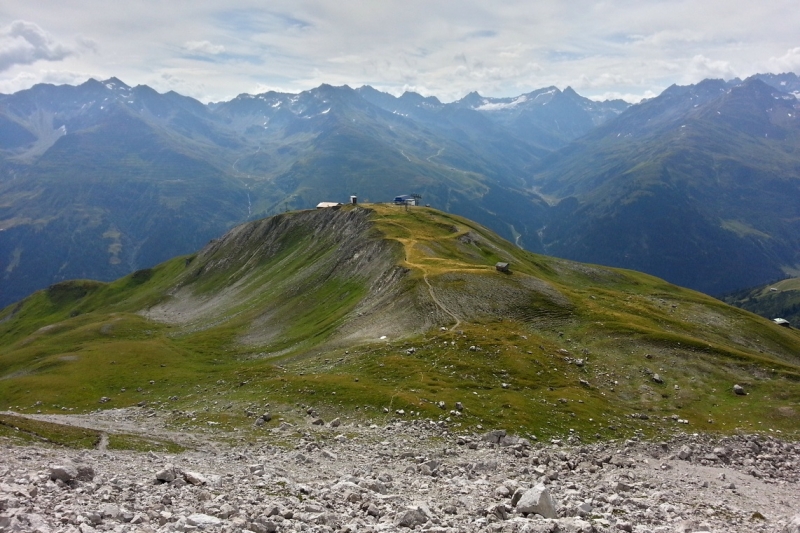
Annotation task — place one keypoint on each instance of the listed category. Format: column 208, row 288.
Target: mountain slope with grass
column 373, row 311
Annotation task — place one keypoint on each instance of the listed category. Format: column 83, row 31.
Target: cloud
column 87, row 43
column 24, row 43
column 507, row 48
column 602, row 81
column 701, row 67
column 25, row 79
column 788, row 62
column 19, row 82
column 203, row 47
column 664, row 38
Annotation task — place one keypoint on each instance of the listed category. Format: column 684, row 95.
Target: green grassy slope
column 365, row 311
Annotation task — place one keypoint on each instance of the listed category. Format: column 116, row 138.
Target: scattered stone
column 495, row 436
column 413, row 517
column 167, row 474
column 738, row 389
column 202, row 521
column 65, row 472
column 194, row 478
column 457, row 480
column 537, row 500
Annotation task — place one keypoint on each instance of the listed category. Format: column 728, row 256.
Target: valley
column 697, row 185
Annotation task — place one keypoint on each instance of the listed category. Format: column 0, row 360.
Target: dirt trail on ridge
column 408, row 245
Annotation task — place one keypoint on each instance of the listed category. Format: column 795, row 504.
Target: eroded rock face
column 404, row 476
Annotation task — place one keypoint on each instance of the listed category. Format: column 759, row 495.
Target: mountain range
column 698, row 185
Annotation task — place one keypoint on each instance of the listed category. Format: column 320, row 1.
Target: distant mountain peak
column 114, row 83
column 419, row 99
column 472, row 99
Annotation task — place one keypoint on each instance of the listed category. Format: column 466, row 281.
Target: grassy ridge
column 264, row 319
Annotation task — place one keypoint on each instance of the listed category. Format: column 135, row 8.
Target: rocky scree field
column 403, row 475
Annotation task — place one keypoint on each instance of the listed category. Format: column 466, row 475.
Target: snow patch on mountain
column 496, row 106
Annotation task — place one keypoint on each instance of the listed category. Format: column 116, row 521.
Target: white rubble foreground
column 408, row 476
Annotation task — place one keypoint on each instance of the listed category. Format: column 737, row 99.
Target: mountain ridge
column 388, row 307
column 715, row 182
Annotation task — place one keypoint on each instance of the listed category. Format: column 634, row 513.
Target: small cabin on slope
column 332, row 205
column 407, row 199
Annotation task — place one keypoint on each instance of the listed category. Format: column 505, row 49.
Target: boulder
column 412, row 518
column 194, row 478
column 168, row 474
column 495, row 436
column 85, row 472
column 65, row 472
column 537, row 500
column 202, row 521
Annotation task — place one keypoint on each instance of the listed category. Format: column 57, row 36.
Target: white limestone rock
column 537, row 500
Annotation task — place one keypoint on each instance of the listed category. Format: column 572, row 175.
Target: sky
column 214, row 50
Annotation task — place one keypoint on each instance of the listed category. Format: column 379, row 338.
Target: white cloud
column 447, row 48
column 19, row 82
column 24, row 43
column 668, row 38
column 203, row 47
column 601, row 81
column 788, row 62
column 26, row 79
column 701, row 67
column 87, row 43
